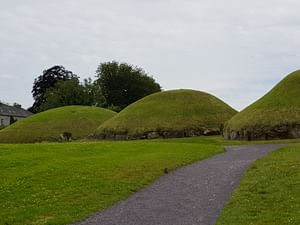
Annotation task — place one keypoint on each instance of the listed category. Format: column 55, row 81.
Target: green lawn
column 61, row 183
column 269, row 193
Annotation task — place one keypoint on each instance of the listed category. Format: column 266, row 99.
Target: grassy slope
column 48, row 125
column 170, row 110
column 269, row 193
column 61, row 183
column 279, row 106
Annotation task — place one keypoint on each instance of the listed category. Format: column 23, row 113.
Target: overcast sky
column 234, row 49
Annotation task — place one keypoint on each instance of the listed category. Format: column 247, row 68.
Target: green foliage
column 269, row 192
column 93, row 93
column 280, row 106
column 63, row 183
column 65, row 93
column 48, row 125
column 177, row 110
column 48, row 80
column 122, row 84
column 71, row 92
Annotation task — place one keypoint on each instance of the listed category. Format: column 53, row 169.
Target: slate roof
column 6, row 110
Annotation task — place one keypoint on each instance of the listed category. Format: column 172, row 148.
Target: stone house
column 9, row 114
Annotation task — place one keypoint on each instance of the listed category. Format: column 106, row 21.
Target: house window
column 1, row 122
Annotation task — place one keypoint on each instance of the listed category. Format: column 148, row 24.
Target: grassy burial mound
column 275, row 116
column 56, row 124
column 177, row 113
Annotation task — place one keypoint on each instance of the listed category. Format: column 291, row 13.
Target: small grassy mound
column 269, row 192
column 275, row 115
column 49, row 125
column 176, row 113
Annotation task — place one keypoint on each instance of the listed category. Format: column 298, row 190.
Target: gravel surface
column 194, row 194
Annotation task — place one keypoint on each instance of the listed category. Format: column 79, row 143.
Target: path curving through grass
column 195, row 194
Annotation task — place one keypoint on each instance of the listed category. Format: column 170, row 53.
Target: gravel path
column 194, row 194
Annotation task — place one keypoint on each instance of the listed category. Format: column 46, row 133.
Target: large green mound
column 49, row 125
column 177, row 113
column 275, row 115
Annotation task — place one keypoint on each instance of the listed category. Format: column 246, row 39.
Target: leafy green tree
column 64, row 93
column 93, row 93
column 122, row 84
column 48, row 80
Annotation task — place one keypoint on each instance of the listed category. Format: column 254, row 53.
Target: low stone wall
column 156, row 135
column 286, row 131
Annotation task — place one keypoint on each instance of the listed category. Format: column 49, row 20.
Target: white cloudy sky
column 234, row 49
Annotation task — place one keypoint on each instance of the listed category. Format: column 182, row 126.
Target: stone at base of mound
column 288, row 131
column 156, row 135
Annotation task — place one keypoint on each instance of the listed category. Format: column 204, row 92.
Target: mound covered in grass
column 56, row 124
column 276, row 115
column 177, row 113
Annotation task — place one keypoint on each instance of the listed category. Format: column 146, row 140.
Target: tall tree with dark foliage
column 48, row 80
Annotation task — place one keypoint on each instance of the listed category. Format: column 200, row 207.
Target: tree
column 47, row 80
column 64, row 93
column 122, row 84
column 93, row 92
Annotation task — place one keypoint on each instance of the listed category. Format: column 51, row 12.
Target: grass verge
column 269, row 192
column 63, row 183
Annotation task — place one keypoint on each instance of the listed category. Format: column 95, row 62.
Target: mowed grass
column 176, row 110
column 269, row 193
column 49, row 125
column 66, row 182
